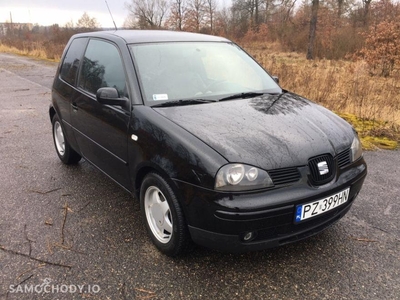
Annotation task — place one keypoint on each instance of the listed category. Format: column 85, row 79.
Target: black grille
column 315, row 177
column 343, row 158
column 284, row 176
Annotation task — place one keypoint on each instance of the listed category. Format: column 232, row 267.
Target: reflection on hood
column 284, row 103
column 270, row 132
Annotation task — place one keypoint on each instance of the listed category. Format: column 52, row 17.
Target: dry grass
column 342, row 86
column 339, row 85
column 36, row 50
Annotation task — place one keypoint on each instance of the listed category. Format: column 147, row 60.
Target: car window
column 225, row 65
column 102, row 67
column 70, row 65
column 191, row 70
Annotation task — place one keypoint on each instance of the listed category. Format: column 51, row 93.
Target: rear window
column 70, row 66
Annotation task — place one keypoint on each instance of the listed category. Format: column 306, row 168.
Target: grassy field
column 371, row 104
column 35, row 50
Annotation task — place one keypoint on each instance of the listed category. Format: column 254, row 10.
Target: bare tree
column 146, row 13
column 196, row 15
column 223, row 21
column 367, row 4
column 248, row 11
column 69, row 24
column 177, row 16
column 211, row 9
column 86, row 22
column 340, row 8
column 242, row 13
column 313, row 29
column 256, row 13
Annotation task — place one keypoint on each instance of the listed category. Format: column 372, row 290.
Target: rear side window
column 102, row 67
column 70, row 66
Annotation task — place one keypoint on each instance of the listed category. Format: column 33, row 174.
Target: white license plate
column 318, row 207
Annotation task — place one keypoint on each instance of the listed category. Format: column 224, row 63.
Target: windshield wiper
column 183, row 102
column 242, row 96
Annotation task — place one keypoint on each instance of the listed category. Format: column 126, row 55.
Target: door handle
column 74, row 106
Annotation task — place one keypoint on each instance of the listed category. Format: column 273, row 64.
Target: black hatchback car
column 214, row 149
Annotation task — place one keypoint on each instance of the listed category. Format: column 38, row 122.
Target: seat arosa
column 216, row 151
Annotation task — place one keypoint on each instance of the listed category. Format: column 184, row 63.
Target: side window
column 102, row 67
column 70, row 66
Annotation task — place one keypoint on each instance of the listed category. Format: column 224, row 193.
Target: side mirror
column 110, row 96
column 276, row 78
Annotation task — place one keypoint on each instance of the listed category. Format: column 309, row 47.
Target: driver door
column 101, row 130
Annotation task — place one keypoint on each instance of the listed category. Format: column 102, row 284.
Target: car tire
column 163, row 216
column 64, row 151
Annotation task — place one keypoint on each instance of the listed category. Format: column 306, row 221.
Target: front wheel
column 163, row 216
column 64, row 151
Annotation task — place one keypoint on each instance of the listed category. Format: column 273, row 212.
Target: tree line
column 330, row 29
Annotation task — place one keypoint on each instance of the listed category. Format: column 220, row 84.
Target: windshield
column 197, row 70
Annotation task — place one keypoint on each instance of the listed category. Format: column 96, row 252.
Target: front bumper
column 221, row 220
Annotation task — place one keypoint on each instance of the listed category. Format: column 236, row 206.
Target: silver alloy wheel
column 59, row 138
column 158, row 214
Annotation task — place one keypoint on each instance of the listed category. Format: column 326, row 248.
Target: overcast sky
column 48, row 12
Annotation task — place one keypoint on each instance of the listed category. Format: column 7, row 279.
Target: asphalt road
column 72, row 228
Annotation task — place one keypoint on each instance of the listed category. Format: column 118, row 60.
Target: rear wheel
column 163, row 216
column 64, row 151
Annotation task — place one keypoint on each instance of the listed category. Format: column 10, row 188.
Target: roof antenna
column 111, row 15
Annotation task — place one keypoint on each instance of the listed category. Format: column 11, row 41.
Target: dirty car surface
column 214, row 149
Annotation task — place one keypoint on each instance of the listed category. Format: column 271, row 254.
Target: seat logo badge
column 323, row 168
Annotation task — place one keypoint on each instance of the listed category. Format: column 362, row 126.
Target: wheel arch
column 52, row 112
column 147, row 168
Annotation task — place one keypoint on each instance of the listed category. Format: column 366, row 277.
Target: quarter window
column 102, row 67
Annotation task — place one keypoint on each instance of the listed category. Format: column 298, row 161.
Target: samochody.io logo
column 49, row 287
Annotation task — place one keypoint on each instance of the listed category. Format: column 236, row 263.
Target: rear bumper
column 221, row 220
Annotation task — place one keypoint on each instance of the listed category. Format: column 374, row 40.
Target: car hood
column 270, row 132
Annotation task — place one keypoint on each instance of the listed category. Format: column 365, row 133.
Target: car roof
column 154, row 36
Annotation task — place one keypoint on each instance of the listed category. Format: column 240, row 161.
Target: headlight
column 356, row 148
column 239, row 177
